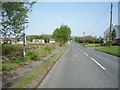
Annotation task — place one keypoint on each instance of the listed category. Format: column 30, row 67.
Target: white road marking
column 80, row 50
column 86, row 54
column 98, row 64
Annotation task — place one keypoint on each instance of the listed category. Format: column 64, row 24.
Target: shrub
column 104, row 44
column 9, row 49
column 32, row 55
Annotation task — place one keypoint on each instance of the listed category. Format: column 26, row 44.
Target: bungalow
column 52, row 41
column 38, row 41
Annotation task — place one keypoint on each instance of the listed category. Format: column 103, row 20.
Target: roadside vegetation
column 90, row 45
column 12, row 48
column 111, row 50
column 41, row 70
column 37, row 53
column 62, row 34
column 108, row 47
column 15, row 16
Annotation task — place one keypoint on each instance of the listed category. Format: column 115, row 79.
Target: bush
column 114, row 43
column 9, row 49
column 32, row 55
column 104, row 44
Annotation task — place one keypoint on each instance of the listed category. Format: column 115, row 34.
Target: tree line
column 88, row 39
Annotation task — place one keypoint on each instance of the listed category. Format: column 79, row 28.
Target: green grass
column 13, row 64
column 90, row 45
column 0, row 68
column 10, row 48
column 38, row 53
column 110, row 49
column 33, row 74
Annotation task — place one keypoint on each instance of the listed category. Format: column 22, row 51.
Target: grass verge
column 38, row 53
column 33, row 74
column 111, row 50
column 90, row 45
column 11, row 48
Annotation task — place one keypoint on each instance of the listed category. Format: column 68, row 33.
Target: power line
column 98, row 20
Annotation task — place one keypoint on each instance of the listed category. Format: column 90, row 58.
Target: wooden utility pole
column 110, row 24
column 83, row 38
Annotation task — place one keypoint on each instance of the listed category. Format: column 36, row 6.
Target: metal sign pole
column 24, row 41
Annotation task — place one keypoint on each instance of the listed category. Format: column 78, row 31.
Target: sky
column 93, row 18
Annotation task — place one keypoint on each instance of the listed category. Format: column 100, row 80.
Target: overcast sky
column 89, row 17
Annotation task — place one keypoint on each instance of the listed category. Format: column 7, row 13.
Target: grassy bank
column 33, row 74
column 111, row 50
column 37, row 53
column 10, row 48
column 90, row 45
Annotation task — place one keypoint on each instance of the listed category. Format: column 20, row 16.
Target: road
column 81, row 67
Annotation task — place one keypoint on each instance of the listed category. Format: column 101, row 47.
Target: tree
column 47, row 38
column 13, row 16
column 113, row 34
column 62, row 34
column 89, row 39
column 100, row 39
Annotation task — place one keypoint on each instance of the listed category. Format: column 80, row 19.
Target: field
column 114, row 50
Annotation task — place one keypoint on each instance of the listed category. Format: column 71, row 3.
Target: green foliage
column 45, row 37
column 88, row 39
column 113, row 34
column 62, row 34
column 92, row 45
column 38, row 53
column 104, row 44
column 34, row 73
column 10, row 65
column 77, row 39
column 13, row 16
column 10, row 48
column 34, row 54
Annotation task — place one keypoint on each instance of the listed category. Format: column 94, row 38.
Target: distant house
column 21, row 42
column 38, row 41
column 107, row 33
column 52, row 41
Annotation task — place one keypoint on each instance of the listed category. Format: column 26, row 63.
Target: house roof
column 117, row 26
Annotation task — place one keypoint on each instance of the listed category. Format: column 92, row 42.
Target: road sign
column 27, row 20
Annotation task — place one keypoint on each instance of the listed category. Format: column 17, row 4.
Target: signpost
column 24, row 41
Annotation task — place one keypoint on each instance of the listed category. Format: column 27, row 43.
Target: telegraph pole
column 110, row 24
column 83, row 38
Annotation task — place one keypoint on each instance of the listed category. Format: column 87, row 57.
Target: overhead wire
column 97, row 21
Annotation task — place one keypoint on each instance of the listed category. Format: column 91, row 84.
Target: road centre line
column 86, row 54
column 98, row 63
column 94, row 60
column 80, row 50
